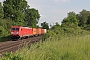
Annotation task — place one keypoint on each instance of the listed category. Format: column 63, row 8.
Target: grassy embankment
column 65, row 48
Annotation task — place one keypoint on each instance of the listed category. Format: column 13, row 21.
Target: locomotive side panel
column 26, row 31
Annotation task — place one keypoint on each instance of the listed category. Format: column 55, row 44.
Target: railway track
column 12, row 46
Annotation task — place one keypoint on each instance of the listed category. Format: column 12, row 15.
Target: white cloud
column 64, row 0
column 56, row 0
column 42, row 16
column 61, row 0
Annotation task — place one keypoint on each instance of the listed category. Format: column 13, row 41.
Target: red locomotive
column 19, row 32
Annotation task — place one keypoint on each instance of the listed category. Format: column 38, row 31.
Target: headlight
column 16, row 32
column 12, row 32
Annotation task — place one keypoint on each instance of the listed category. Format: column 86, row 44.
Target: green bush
column 5, row 25
column 4, row 35
column 50, row 34
column 3, row 31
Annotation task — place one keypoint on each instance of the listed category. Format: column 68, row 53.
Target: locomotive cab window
column 15, row 28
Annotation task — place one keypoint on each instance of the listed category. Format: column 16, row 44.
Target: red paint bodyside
column 25, row 31
column 21, row 31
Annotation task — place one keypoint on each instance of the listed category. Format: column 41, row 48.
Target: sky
column 53, row 11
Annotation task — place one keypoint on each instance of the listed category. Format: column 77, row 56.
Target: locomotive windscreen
column 15, row 28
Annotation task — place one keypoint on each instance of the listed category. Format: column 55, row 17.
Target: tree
column 1, row 11
column 32, row 17
column 45, row 25
column 88, row 21
column 15, row 9
column 70, row 24
column 70, row 21
column 3, row 32
column 83, row 17
column 56, row 26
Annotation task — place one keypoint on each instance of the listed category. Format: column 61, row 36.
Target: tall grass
column 66, row 48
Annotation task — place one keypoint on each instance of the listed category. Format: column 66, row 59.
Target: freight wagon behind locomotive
column 17, row 32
